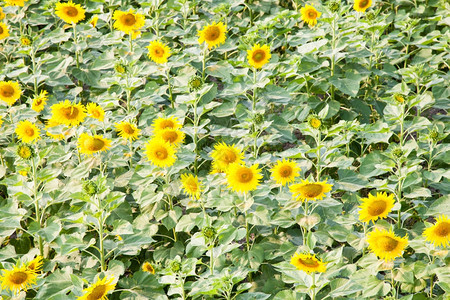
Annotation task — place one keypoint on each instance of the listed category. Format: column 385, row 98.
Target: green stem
column 130, row 39
column 128, row 91
column 313, row 294
column 75, row 40
column 318, row 168
column 196, row 122
column 36, row 205
column 204, row 63
column 170, row 88
column 333, row 47
column 131, row 153
column 101, row 234
column 394, row 292
column 33, row 61
column 211, row 259
column 247, row 235
column 255, row 131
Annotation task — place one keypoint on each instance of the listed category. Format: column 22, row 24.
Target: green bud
column 25, row 151
column 175, row 266
column 209, row 232
column 333, row 5
column 90, row 188
column 258, row 118
column 120, row 68
column 195, row 83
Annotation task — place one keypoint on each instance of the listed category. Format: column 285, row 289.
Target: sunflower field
column 239, row 150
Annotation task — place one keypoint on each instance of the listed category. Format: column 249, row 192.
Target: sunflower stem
column 170, row 205
column 100, row 234
column 211, row 258
column 255, row 133
column 204, row 63
column 196, row 121
column 247, row 236
column 333, row 47
column 313, row 294
column 130, row 39
column 394, row 292
column 75, row 40
column 36, row 205
column 318, row 169
column 33, row 61
column 172, row 103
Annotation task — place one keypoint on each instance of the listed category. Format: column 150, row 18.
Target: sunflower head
column 99, row 289
column 90, row 188
column 362, row 5
column 439, row 233
column 307, row 190
column 36, row 264
column 165, row 123
column 308, row 263
column 158, row 52
column 2, row 14
column 127, row 130
column 39, row 102
column 95, row 111
column 191, row 185
column 9, row 90
column 285, row 171
column 120, row 68
column 67, row 113
column 25, row 152
column 310, row 15
column 70, row 12
column 195, row 83
column 4, row 32
column 173, row 136
column 213, row 35
column 399, row 98
column 223, row 155
column 20, row 3
column 385, row 244
column 94, row 21
column 27, row 132
column 128, row 22
column 258, row 56
column 241, row 178
column 375, row 207
column 18, row 279
column 209, row 233
column 314, row 121
column 25, row 41
column 160, row 153
column 334, row 5
column 147, row 267
column 89, row 145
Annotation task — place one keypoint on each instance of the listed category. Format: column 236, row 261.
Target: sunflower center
column 259, row 55
column 128, row 20
column 159, row 51
column 38, row 101
column 245, row 175
column 167, row 124
column 18, row 277
column 128, row 129
column 443, row 229
column 29, row 131
column 363, row 3
column 312, row 190
column 96, row 113
column 229, row 157
column 309, row 262
column 312, row 14
column 377, row 207
column 71, row 11
column 7, row 90
column 285, row 171
column 212, row 34
column 161, row 153
column 1, row 30
column 97, row 293
column 149, row 268
column 70, row 113
column 315, row 123
column 387, row 243
column 94, row 144
column 170, row 136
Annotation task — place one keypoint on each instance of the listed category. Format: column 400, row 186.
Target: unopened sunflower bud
column 25, row 41
column 195, row 83
column 90, row 188
column 333, row 5
column 209, row 232
column 120, row 68
column 175, row 266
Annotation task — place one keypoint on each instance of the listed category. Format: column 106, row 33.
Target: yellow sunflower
column 191, row 185
column 95, row 111
column 375, row 207
column 1, row 121
column 39, row 102
column 308, row 263
column 160, row 153
column 306, row 190
column 362, row 5
column 52, row 123
column 285, row 171
column 243, row 179
column 164, row 123
column 35, row 265
column 15, row 2
column 310, row 15
column 89, row 145
column 135, row 34
column 127, row 130
column 67, row 113
column 173, row 136
column 4, row 32
column 385, row 244
column 9, row 91
column 27, row 132
column 213, row 35
column 98, row 290
column 94, row 21
column 314, row 122
column 24, row 41
column 258, row 56
column 70, row 12
column 17, row 279
column 128, row 22
column 223, row 155
column 158, row 52
column 2, row 14
column 147, row 267
column 439, row 233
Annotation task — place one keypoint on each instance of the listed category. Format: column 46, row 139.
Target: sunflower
column 160, row 153
column 25, row 152
column 310, row 15
column 39, row 102
column 9, row 90
column 50, row 124
column 128, row 22
column 1, row 121
column 35, row 265
column 27, row 132
column 4, row 32
column 98, row 290
column 308, row 263
column 94, row 21
column 439, row 233
column 223, row 155
column 385, row 244
column 243, row 179
column 2, row 14
column 135, row 34
column 173, row 136
column 15, row 2
column 95, row 111
column 213, row 35
column 89, row 145
column 158, row 52
column 18, row 279
column 285, row 171
column 67, row 113
column 164, row 123
column 191, row 185
column 127, row 130
column 24, row 41
column 314, row 121
column 362, row 5
column 375, row 207
column 147, row 267
column 306, row 190
column 70, row 12
column 258, row 56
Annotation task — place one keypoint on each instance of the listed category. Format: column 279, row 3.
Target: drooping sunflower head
column 89, row 145
column 99, row 289
column 165, row 123
column 213, row 35
column 258, row 56
column 223, row 155
column 67, row 113
column 20, row 3
column 128, row 22
column 241, row 178
column 375, row 207
column 25, row 152
column 173, row 136
column 35, row 265
column 158, row 52
column 160, row 153
column 95, row 111
column 439, row 233
column 127, row 130
column 94, row 21
column 285, row 171
column 385, row 244
column 70, row 12
column 308, row 263
column 27, row 131
column 147, row 267
column 39, row 102
column 17, row 279
column 191, row 185
column 9, row 90
column 307, row 190
column 362, row 5
column 310, row 15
